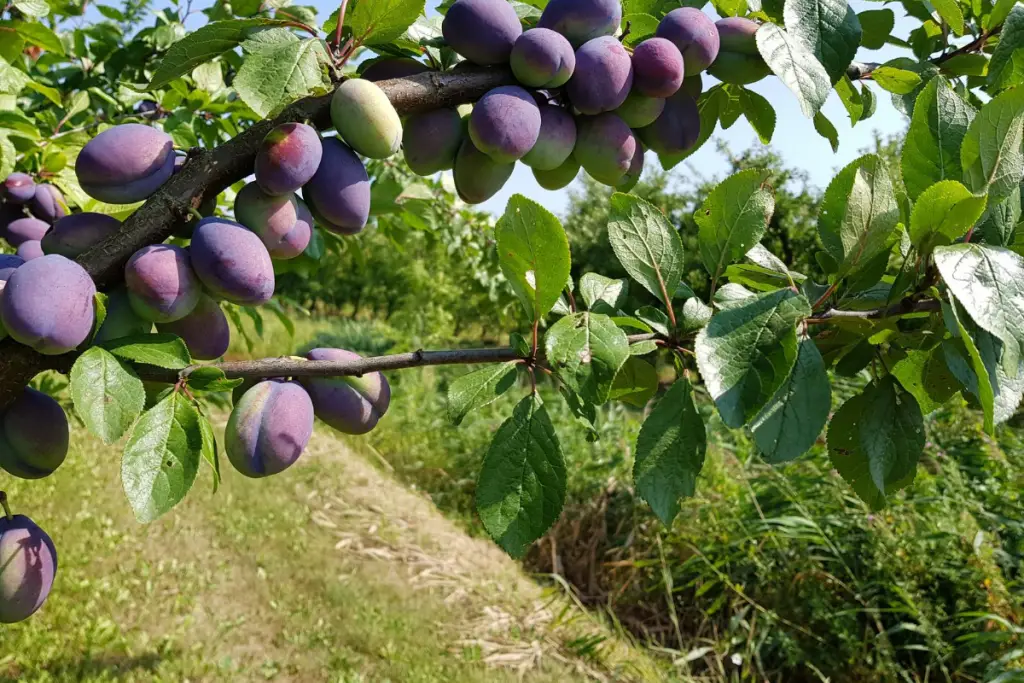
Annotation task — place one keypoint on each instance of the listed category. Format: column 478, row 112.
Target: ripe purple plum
column 161, row 284
column 269, row 428
column 505, row 123
column 478, row 177
column 605, row 147
column 556, row 140
column 636, row 169
column 48, row 304
column 365, row 118
column 28, row 564
column 47, row 204
column 603, row 76
column 386, row 68
column 8, row 264
column 739, row 62
column 205, row 330
column 288, row 157
column 34, row 435
column 126, row 163
column 582, row 20
column 482, row 31
column 338, row 194
column 542, row 58
column 121, row 320
column 353, row 405
column 560, row 177
column 431, row 140
column 25, row 229
column 75, row 234
column 283, row 223
column 18, row 188
column 657, row 68
column 677, row 129
column 694, row 34
column 640, row 110
column 31, row 249
column 232, row 262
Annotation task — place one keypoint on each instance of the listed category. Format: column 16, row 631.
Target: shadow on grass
column 107, row 666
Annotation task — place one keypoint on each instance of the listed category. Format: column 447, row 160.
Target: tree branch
column 904, row 307
column 209, row 172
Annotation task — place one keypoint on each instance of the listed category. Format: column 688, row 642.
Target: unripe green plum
column 28, row 564
column 269, row 428
column 121, row 320
column 739, row 69
column 478, row 177
column 640, row 110
column 366, row 119
column 605, row 147
column 34, row 435
column 693, row 86
column 352, row 405
column 560, row 177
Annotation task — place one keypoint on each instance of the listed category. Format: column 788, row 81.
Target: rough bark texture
column 206, row 175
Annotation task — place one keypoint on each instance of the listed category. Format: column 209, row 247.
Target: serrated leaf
column 107, row 394
column 876, row 439
column 603, row 294
column 479, row 388
column 734, row 218
column 161, row 459
column 943, row 213
column 35, row 33
column 796, row 66
column 670, row 452
column 790, row 423
column 33, row 8
column 926, row 375
column 851, row 99
column 991, row 154
column 646, row 244
column 636, row 382
column 280, row 68
column 377, row 22
column 826, row 130
column 1000, row 10
column 858, row 214
column 695, row 315
column 534, row 254
column 521, row 489
column 586, row 350
column 876, row 25
column 898, row 81
column 747, row 351
column 161, row 350
column 931, row 151
column 998, row 225
column 829, row 29
column 951, row 13
column 760, row 114
column 202, row 45
column 1007, row 66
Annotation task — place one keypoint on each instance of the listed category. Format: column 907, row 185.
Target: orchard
column 157, row 184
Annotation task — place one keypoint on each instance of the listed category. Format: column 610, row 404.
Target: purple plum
column 205, row 330
column 352, row 405
column 677, row 129
column 431, row 140
column 283, row 223
column 338, row 194
column 73, row 235
column 694, row 34
column 605, row 147
column 288, row 158
column 478, row 177
column 25, row 229
column 31, row 249
column 556, row 140
column 657, row 68
column 126, row 163
column 582, row 20
column 542, row 58
column 34, row 435
column 505, row 123
column 18, row 188
column 48, row 204
column 162, row 286
column 482, row 31
column 28, row 564
column 232, row 262
column 269, row 428
column 603, row 76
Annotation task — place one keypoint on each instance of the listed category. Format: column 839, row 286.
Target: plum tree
column 18, row 188
column 48, row 305
column 640, row 110
column 505, row 123
column 283, row 223
column 431, row 140
column 556, row 140
column 34, row 435
column 25, row 229
column 121, row 320
column 28, row 565
column 582, row 20
column 287, row 158
column 605, row 147
column 657, row 68
column 47, row 203
column 386, row 68
column 365, row 118
column 205, row 330
column 482, row 31
column 694, row 34
column 477, row 176
column 126, row 163
column 269, row 428
column 353, row 405
column 738, row 61
column 603, row 76
column 542, row 58
column 232, row 262
column 677, row 129
column 161, row 284
column 30, row 249
column 338, row 194
column 560, row 177
column 74, row 234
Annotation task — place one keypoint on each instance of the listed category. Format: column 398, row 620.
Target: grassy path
column 330, row 572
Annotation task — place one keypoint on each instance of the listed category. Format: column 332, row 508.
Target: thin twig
column 905, row 307
column 341, row 22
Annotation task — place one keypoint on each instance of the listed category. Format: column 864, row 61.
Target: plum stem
column 5, row 506
column 195, row 214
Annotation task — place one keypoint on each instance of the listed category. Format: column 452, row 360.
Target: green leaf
column 976, row 375
column 695, row 315
column 991, row 152
column 1000, row 10
column 876, row 25
column 52, row 94
column 377, row 22
column 161, row 459
column 534, row 254
column 851, row 98
column 747, row 351
column 796, row 66
column 876, row 439
column 966, row 64
column 202, row 45
column 790, row 423
column 636, row 382
column 646, row 244
column 826, row 130
column 521, row 489
column 988, row 281
column 12, row 80
column 998, row 225
column 734, row 218
column 670, row 452
column 943, row 213
column 585, row 351
column 209, row 450
column 161, row 350
column 603, row 294
column 951, row 13
column 1007, row 66
column 479, row 388
column 36, row 34
column 279, row 68
column 208, row 77
column 641, row 27
column 931, row 151
column 926, row 375
column 32, row 8
column 898, row 81
column 211, row 379
column 858, row 214
column 107, row 393
column 760, row 114
column 8, row 156
column 828, row 28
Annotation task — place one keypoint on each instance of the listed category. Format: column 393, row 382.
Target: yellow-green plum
column 126, row 163
column 269, row 428
column 603, row 76
column 560, row 177
column 694, row 34
column 162, row 286
column 121, row 320
column 431, row 140
column 478, row 177
column 73, row 235
column 505, row 123
column 739, row 62
column 556, row 139
column 365, row 118
column 353, row 405
column 28, row 565
column 542, row 58
column 338, row 194
column 205, row 330
column 582, row 20
column 640, row 110
column 482, row 31
column 605, row 147
column 48, row 304
column 283, row 223
column 287, row 158
column 34, row 435
column 232, row 262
